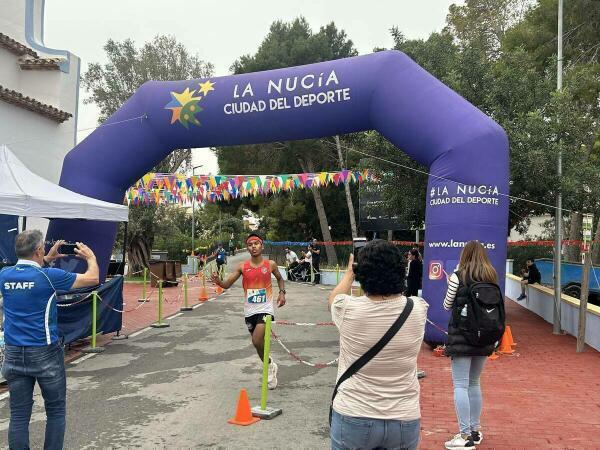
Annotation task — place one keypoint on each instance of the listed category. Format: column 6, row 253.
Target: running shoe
column 272, row 378
column 460, row 443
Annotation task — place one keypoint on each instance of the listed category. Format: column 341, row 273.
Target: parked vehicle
column 571, row 275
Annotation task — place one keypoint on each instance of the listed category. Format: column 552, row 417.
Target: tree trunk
column 329, row 249
column 139, row 254
column 347, row 189
column 596, row 246
column 573, row 251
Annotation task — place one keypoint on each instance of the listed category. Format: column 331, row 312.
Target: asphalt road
column 176, row 387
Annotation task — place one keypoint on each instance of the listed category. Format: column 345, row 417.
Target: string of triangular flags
column 177, row 188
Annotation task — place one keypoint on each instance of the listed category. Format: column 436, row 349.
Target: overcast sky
column 221, row 31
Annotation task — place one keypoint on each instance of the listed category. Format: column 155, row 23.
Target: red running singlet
column 258, row 289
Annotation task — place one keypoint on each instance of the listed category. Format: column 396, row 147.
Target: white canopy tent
column 23, row 193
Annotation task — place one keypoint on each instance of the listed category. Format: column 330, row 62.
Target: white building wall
column 535, row 230
column 40, row 142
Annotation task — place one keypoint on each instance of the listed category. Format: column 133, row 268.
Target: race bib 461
column 255, row 296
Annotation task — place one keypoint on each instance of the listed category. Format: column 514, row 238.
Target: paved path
column 176, row 387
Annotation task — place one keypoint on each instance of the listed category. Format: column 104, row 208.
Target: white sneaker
column 272, row 378
column 459, row 443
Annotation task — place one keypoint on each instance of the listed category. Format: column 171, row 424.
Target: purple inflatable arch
column 465, row 150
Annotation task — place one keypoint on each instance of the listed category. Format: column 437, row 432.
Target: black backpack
column 485, row 319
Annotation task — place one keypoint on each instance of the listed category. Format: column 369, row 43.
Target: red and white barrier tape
column 121, row 311
column 435, row 325
column 299, row 359
column 114, row 309
column 176, row 300
column 67, row 305
column 301, row 324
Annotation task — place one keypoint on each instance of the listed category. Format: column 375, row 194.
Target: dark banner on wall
column 372, row 213
column 8, row 233
column 75, row 310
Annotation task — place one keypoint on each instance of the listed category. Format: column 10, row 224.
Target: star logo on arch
column 184, row 105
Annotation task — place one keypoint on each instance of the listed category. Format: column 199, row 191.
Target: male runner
column 258, row 292
column 221, row 260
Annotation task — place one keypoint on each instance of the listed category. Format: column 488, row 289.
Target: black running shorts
column 252, row 321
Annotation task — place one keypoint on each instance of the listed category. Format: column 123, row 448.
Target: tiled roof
column 16, row 98
column 27, row 63
column 16, row 47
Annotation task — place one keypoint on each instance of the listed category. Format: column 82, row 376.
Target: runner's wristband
column 282, row 291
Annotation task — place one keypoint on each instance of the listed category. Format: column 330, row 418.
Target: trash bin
column 158, row 255
column 158, row 271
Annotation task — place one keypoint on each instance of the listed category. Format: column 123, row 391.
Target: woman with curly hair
column 378, row 406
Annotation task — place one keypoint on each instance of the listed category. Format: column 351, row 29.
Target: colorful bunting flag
column 161, row 188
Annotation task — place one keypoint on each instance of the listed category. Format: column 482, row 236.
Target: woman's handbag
column 372, row 352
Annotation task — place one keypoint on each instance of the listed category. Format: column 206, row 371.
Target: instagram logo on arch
column 436, row 270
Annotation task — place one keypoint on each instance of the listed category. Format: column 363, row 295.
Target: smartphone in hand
column 68, row 249
column 357, row 244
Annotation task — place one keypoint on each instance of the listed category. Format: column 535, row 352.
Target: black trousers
column 413, row 287
column 291, row 267
column 317, row 270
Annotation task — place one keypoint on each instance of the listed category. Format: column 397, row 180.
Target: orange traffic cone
column 509, row 333
column 493, row 356
column 202, row 296
column 506, row 344
column 243, row 413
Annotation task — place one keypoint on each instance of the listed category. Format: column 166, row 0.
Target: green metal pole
column 145, row 281
column 143, row 299
column 92, row 348
column 337, row 274
column 264, row 390
column 185, row 306
column 185, row 290
column 160, row 301
column 312, row 274
column 94, row 310
column 160, row 323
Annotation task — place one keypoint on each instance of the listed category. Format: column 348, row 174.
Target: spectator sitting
column 383, row 396
column 33, row 352
column 307, row 260
column 531, row 275
column 292, row 260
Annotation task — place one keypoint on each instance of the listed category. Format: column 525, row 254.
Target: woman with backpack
column 376, row 398
column 476, row 324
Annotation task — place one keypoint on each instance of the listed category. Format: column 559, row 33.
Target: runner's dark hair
column 380, row 268
column 254, row 235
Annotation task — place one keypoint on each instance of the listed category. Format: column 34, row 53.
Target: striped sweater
column 453, row 283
